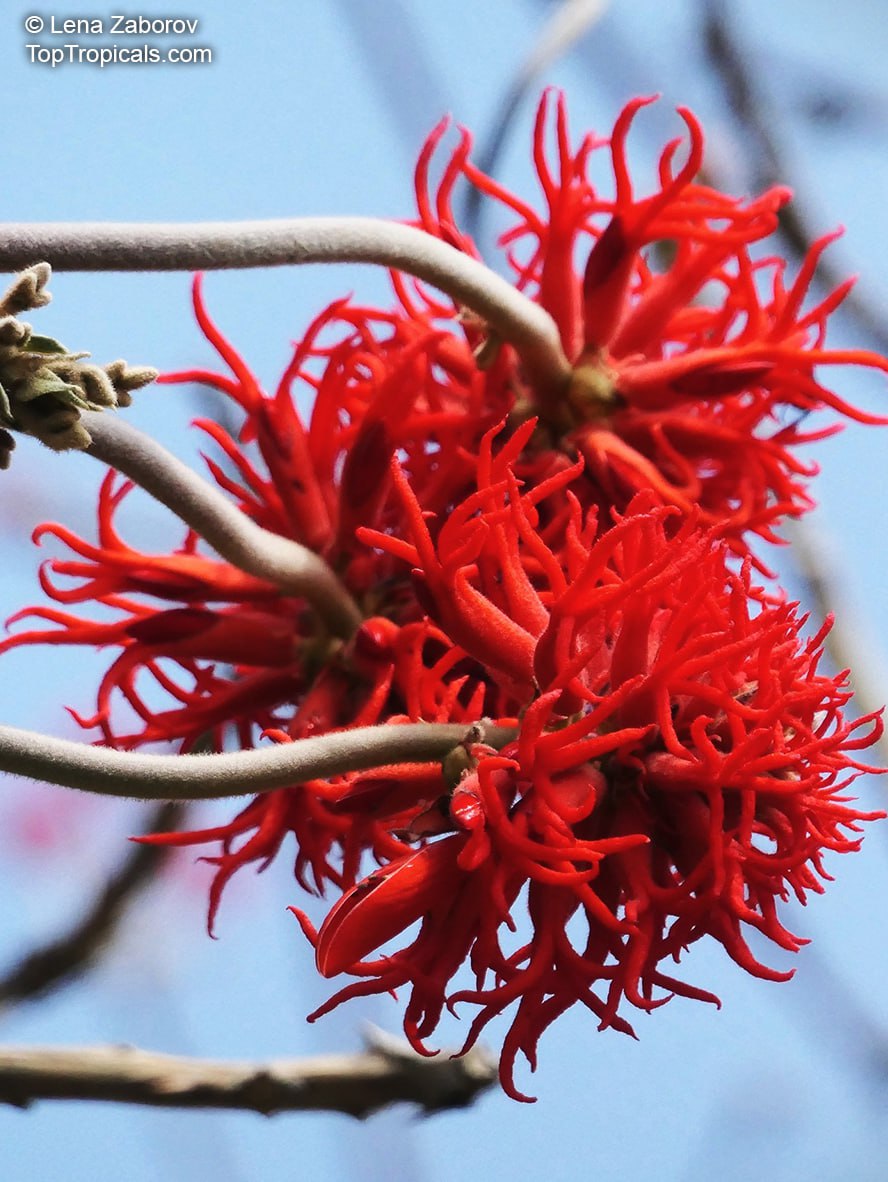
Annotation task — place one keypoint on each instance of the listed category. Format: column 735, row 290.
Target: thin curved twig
column 294, row 568
column 816, row 561
column 386, row 1073
column 569, row 21
column 744, row 100
column 68, row 956
column 236, row 773
column 767, row 166
column 125, row 246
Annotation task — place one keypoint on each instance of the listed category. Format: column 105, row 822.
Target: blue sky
column 320, row 108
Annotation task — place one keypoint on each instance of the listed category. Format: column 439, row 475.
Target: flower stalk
column 188, row 246
column 295, row 569
column 237, row 773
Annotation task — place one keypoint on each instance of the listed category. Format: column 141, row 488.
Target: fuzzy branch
column 124, row 246
column 69, row 955
column 386, row 1073
column 246, row 545
column 236, row 773
column 294, row 568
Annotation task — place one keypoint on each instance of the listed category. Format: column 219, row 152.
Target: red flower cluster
column 571, row 562
column 672, row 391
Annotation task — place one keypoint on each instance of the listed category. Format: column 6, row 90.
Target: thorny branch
column 386, row 1073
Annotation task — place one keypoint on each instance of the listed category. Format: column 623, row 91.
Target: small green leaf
column 39, row 344
column 71, row 396
column 46, row 382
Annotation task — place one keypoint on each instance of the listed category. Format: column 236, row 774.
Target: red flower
column 566, row 557
column 225, row 616
column 679, row 773
column 694, row 371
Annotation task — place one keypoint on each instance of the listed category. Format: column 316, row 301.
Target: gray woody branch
column 386, row 1073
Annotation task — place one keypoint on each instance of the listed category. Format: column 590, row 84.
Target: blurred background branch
column 767, row 165
column 71, row 954
column 388, row 1072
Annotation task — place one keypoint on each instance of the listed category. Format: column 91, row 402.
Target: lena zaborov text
column 121, row 25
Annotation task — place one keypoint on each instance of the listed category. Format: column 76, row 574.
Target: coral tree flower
column 680, row 772
column 693, row 369
column 574, row 563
